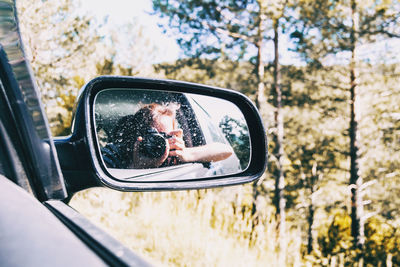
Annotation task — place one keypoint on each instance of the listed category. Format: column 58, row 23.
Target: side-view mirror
column 136, row 134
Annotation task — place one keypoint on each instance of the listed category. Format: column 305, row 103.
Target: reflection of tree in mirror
column 237, row 133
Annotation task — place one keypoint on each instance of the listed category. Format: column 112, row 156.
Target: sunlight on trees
column 341, row 168
column 68, row 47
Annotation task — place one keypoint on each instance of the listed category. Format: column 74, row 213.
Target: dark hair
column 130, row 127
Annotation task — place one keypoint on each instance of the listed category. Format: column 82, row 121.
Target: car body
column 38, row 175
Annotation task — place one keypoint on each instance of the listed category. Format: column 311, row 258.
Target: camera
column 154, row 143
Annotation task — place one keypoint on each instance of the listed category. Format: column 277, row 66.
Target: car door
column 36, row 227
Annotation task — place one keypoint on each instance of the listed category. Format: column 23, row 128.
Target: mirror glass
column 149, row 135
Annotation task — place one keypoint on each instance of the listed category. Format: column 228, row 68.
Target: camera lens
column 153, row 144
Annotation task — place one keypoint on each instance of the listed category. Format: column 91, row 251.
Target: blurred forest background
column 330, row 196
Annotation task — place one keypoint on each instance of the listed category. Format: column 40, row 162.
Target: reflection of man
column 150, row 138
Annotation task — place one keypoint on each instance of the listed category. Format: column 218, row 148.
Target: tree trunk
column 357, row 225
column 311, row 208
column 278, row 152
column 310, row 220
column 261, row 100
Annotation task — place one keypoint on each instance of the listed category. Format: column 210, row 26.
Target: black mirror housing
column 80, row 155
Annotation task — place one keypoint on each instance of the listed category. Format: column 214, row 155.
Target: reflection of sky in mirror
column 218, row 108
column 215, row 107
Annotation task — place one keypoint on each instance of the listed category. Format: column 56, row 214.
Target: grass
column 189, row 228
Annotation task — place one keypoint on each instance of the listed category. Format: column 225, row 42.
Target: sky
column 122, row 11
column 119, row 9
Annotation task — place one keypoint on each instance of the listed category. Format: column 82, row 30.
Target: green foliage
column 213, row 28
column 316, row 122
column 67, row 48
column 61, row 46
column 221, row 73
column 382, row 240
column 237, row 134
column 328, row 31
column 337, row 27
column 236, row 226
column 335, row 241
column 380, row 137
column 336, row 237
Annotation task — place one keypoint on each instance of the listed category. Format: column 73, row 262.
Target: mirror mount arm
column 75, row 165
